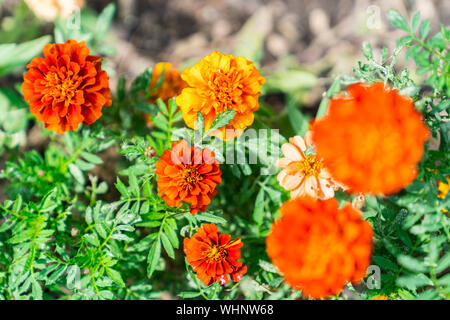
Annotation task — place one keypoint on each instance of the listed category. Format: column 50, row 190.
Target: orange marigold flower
column 319, row 247
column 371, row 139
column 379, row 297
column 213, row 255
column 188, row 174
column 66, row 87
column 304, row 174
column 218, row 83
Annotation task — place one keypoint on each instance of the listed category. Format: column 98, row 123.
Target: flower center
column 190, row 176
column 309, row 166
column 225, row 90
column 61, row 87
column 217, row 253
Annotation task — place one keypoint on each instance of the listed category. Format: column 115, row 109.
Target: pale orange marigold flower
column 49, row 10
column 66, row 87
column 371, row 139
column 221, row 82
column 304, row 174
column 319, row 247
column 379, row 297
column 213, row 255
column 188, row 174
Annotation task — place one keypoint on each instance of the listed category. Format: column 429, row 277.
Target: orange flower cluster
column 188, row 174
column 213, row 255
column 66, row 87
column 218, row 83
column 319, row 247
column 371, row 139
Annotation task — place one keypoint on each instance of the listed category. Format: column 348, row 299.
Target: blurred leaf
column 15, row 56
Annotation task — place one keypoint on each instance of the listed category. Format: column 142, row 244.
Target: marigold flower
column 304, row 174
column 213, row 255
column 49, row 10
column 66, row 87
column 379, row 297
column 443, row 188
column 171, row 86
column 319, row 247
column 371, row 139
column 188, row 174
column 218, row 83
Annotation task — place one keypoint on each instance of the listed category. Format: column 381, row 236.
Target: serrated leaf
column 115, row 276
column 167, row 245
column 153, row 257
column 397, row 20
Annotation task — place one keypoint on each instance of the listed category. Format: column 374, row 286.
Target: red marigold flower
column 371, row 139
column 319, row 247
column 66, row 87
column 188, row 174
column 213, row 255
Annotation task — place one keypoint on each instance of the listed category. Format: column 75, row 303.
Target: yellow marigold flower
column 443, row 188
column 218, row 83
column 304, row 174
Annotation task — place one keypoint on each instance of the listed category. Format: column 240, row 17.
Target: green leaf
column 210, row 218
column 222, row 120
column 76, row 173
column 258, row 212
column 412, row 282
column 134, row 186
column 153, row 257
column 36, row 290
column 167, row 245
column 189, row 294
column 415, row 20
column 385, row 263
column 104, row 21
column 15, row 56
column 268, row 267
column 90, row 157
column 397, row 20
column 411, row 263
column 424, row 29
column 444, row 263
column 115, row 276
